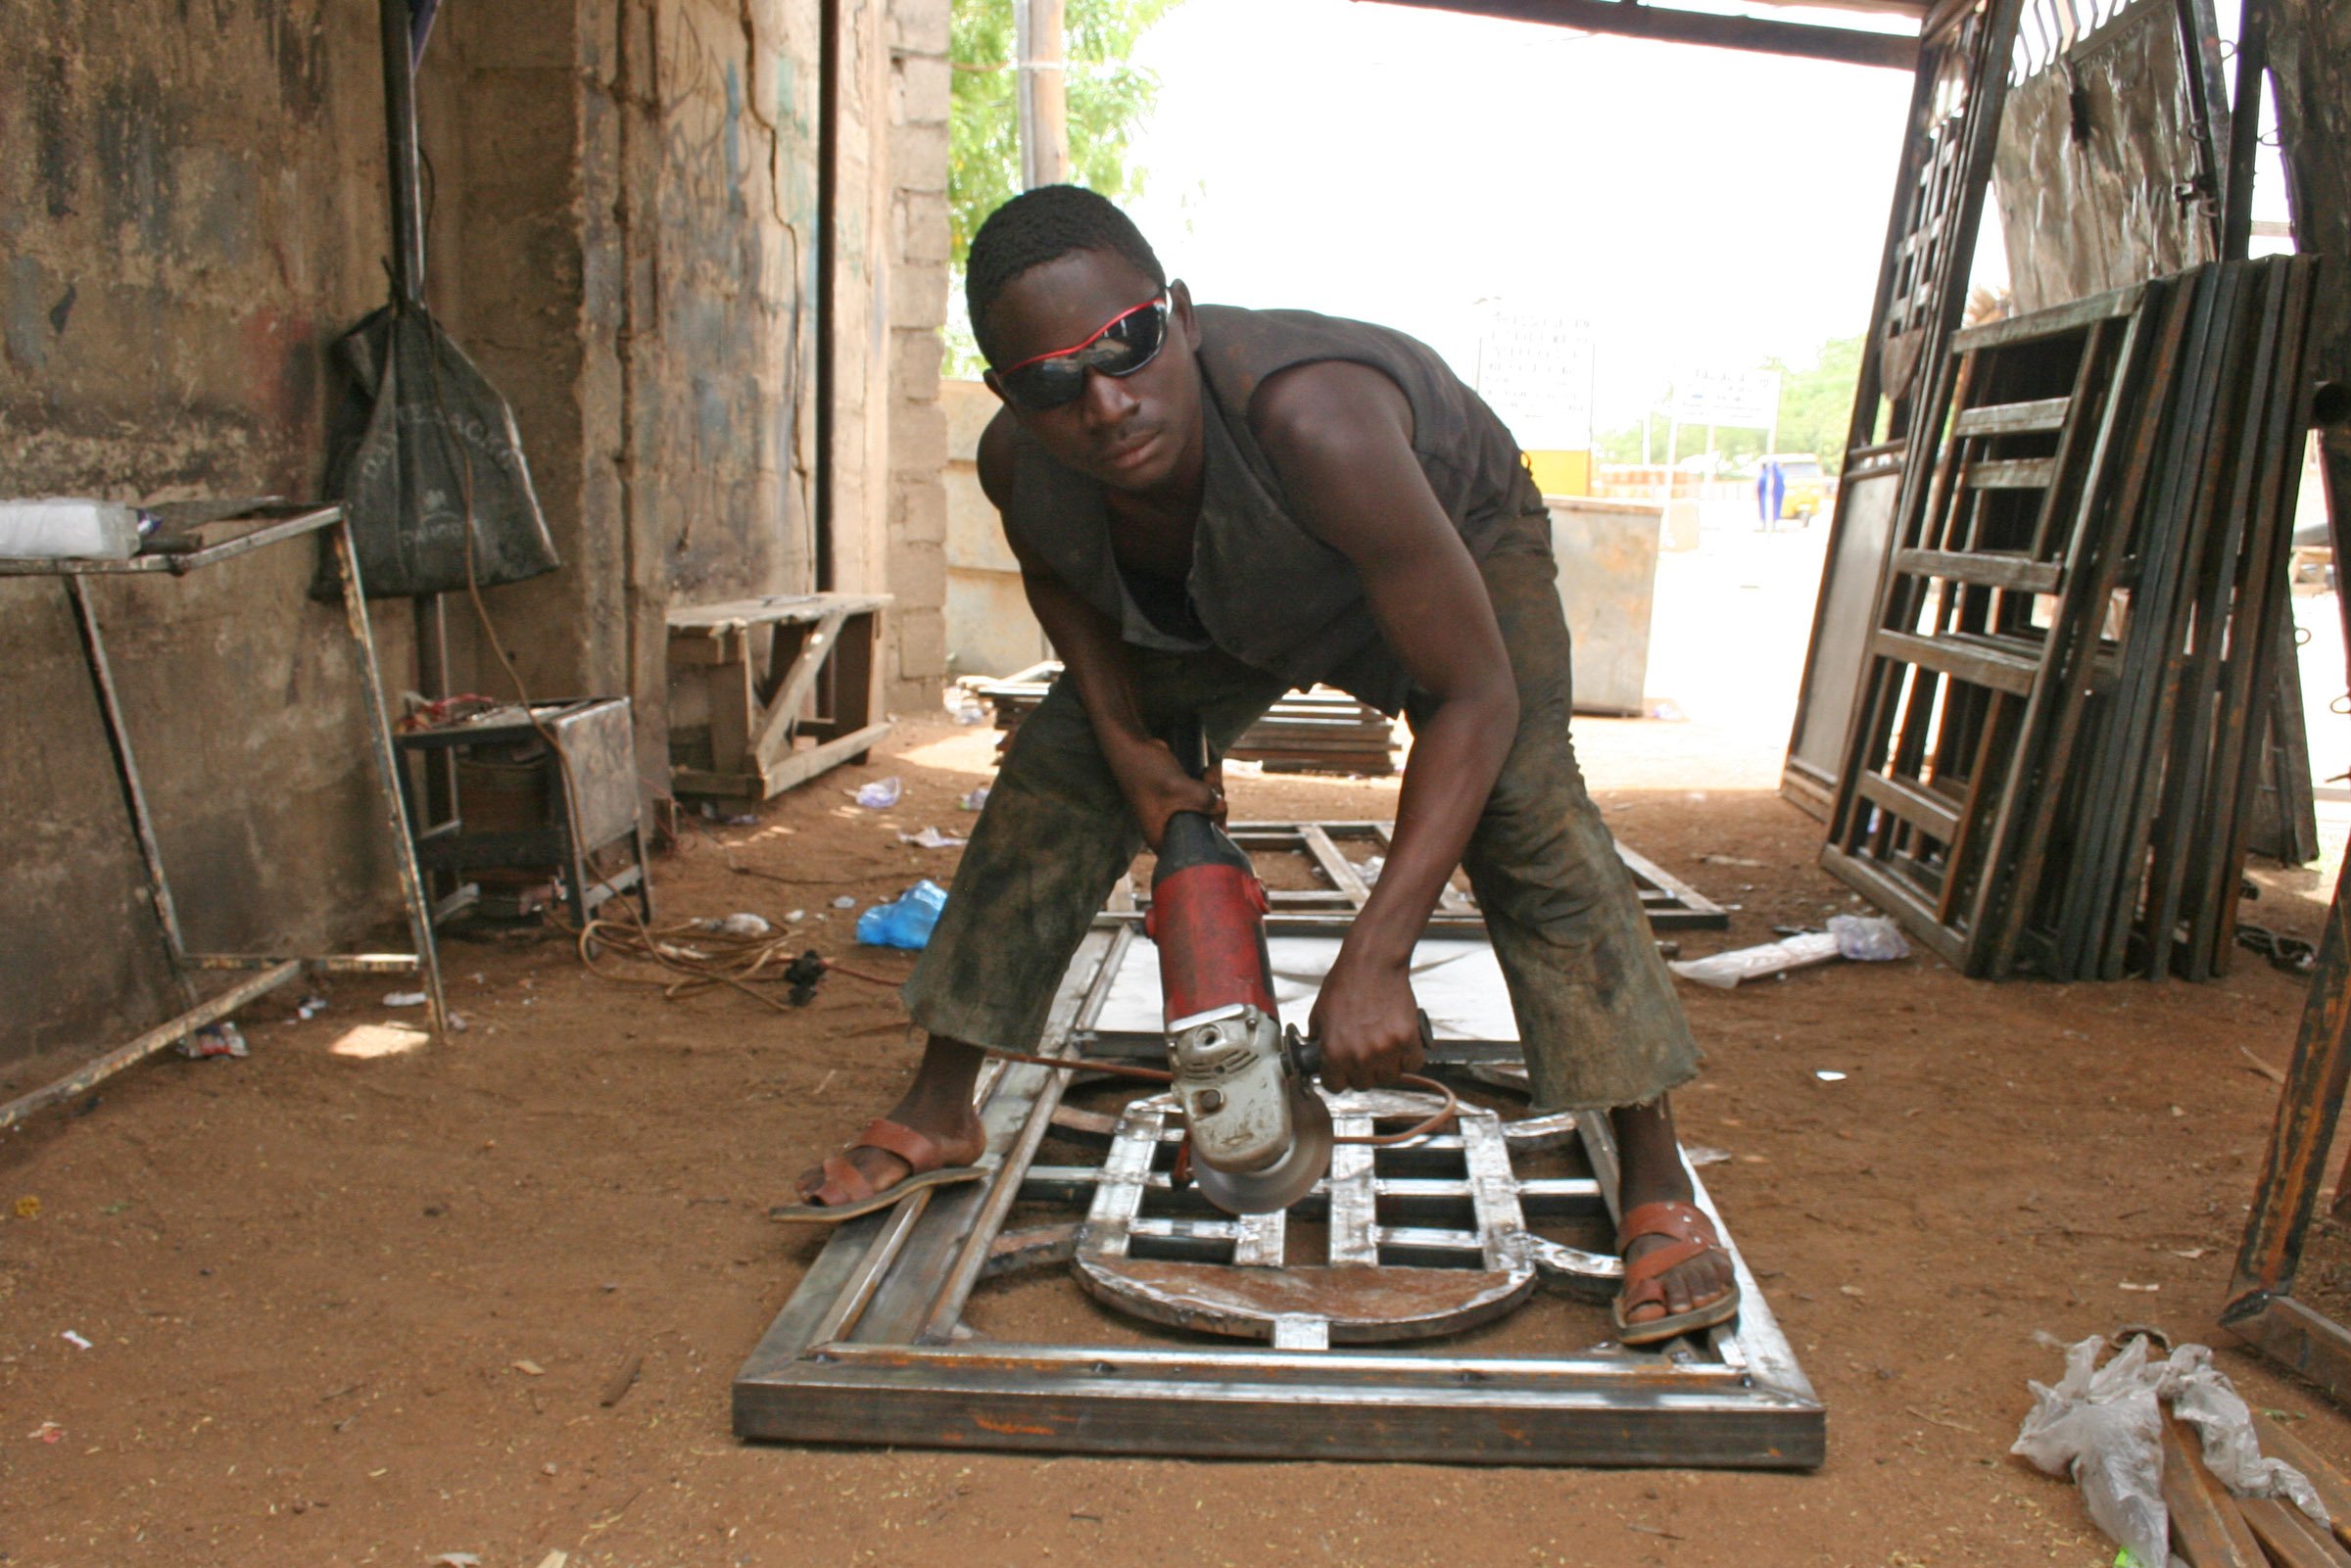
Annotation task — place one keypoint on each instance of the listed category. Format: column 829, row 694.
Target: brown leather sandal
column 846, row 1192
column 1689, row 1234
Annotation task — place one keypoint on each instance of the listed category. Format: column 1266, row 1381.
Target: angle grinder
column 1261, row 1135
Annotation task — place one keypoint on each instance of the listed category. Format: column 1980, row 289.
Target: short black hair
column 1042, row 225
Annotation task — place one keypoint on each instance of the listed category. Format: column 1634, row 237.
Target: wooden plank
column 1973, row 663
column 2206, row 1527
column 2012, row 418
column 783, row 711
column 2293, row 1541
column 774, row 610
column 2277, row 1440
column 796, row 768
column 1983, row 569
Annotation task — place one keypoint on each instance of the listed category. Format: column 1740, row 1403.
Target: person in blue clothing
column 1771, row 492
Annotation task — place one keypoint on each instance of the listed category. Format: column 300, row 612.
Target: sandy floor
column 368, row 1310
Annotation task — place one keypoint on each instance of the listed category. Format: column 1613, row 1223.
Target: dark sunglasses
column 1125, row 344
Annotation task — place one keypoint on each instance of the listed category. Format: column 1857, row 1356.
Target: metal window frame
column 871, row 1347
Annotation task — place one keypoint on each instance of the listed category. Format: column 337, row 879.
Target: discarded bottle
column 906, row 921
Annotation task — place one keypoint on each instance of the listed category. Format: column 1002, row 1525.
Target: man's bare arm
column 1093, row 655
column 1339, row 435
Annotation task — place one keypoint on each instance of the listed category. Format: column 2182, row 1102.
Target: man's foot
column 1698, row 1290
column 937, row 1105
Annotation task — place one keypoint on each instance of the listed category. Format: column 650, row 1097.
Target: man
column 1211, row 505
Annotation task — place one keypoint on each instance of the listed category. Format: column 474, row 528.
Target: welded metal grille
column 875, row 1347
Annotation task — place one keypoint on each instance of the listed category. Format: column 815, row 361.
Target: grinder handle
column 1306, row 1051
column 1187, row 738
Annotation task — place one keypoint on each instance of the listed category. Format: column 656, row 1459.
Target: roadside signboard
column 1742, row 400
column 1536, row 373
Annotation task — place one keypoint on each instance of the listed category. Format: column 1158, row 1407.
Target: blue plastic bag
column 905, row 922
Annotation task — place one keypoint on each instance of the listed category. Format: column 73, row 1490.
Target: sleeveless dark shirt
column 1262, row 588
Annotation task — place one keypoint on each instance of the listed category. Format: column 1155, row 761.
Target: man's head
column 1086, row 342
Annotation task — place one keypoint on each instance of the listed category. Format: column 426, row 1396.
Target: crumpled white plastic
column 2103, row 1427
column 2202, row 1395
column 1723, row 971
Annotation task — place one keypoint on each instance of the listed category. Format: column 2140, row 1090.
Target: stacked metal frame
column 2054, row 757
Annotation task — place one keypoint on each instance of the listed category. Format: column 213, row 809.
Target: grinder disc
column 1284, row 1183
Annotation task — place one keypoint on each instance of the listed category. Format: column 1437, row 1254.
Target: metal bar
column 396, row 36
column 1337, row 867
column 1913, row 804
column 2299, row 1338
column 1849, row 46
column 857, row 1293
column 2010, row 473
column 2057, row 320
column 2092, row 562
column 1121, row 1045
column 2264, row 609
column 330, row 963
column 2244, row 130
column 1253, row 1364
column 1980, row 568
column 387, row 771
column 2187, row 834
column 1697, row 910
column 1975, row 664
column 2041, row 415
column 308, row 522
column 1061, row 1025
column 146, row 1045
column 134, row 794
column 2308, row 1106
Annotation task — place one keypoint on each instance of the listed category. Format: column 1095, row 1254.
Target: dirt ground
column 346, row 1310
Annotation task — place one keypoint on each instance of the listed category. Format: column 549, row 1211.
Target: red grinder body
column 1261, row 1135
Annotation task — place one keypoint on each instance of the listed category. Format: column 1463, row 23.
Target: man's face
column 1139, row 433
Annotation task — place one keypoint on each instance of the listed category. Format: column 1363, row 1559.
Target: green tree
column 1109, row 98
column 1817, row 402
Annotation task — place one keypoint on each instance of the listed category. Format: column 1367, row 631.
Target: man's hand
column 1367, row 1023
column 1157, row 788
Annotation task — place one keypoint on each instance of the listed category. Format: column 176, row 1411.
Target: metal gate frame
column 871, row 1349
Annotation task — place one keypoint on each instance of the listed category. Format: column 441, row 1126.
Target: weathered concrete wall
column 991, row 629
column 918, row 308
column 190, row 211
column 623, row 205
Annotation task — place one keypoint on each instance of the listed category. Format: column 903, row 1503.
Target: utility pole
column 1043, row 92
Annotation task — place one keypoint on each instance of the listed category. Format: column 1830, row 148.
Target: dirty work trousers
column 1600, row 1025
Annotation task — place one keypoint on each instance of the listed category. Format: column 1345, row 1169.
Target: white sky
column 1702, row 208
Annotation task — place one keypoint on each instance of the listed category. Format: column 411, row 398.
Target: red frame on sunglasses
column 1162, row 302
